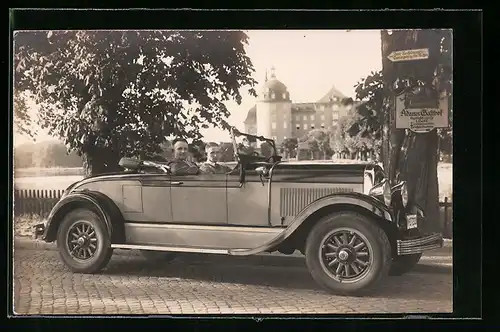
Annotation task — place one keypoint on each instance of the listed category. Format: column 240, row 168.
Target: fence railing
column 40, row 202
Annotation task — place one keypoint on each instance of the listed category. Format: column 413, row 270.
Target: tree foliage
column 114, row 93
column 22, row 119
column 290, row 146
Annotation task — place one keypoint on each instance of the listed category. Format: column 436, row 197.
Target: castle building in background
column 275, row 115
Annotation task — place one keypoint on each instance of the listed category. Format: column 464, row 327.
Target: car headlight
column 382, row 189
column 404, row 194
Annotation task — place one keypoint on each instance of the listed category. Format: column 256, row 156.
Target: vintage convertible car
column 351, row 226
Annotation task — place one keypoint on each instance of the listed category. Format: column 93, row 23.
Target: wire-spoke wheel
column 347, row 253
column 83, row 241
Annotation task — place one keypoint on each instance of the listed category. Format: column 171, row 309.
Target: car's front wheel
column 404, row 264
column 347, row 253
column 83, row 241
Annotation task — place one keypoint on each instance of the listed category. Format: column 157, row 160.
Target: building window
column 285, row 125
column 312, row 117
column 322, row 117
column 322, row 125
column 284, row 95
column 273, row 95
column 335, row 115
column 298, row 127
column 322, row 107
column 305, row 117
column 335, row 107
column 312, row 127
column 273, row 125
column 305, row 126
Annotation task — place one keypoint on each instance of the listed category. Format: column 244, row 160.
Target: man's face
column 180, row 150
column 213, row 154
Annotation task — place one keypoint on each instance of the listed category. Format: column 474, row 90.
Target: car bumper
column 420, row 244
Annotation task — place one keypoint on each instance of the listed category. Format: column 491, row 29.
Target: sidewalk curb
column 429, row 263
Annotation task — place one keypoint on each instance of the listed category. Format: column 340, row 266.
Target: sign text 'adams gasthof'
column 421, row 119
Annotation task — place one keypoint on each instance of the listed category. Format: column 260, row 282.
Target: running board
column 172, row 248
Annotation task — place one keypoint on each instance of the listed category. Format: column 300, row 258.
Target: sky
column 308, row 62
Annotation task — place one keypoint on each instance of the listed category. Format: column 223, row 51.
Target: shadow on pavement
column 242, row 270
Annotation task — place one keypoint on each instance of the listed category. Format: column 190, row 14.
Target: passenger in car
column 180, row 165
column 211, row 166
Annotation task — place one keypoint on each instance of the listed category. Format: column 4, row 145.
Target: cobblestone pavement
column 206, row 285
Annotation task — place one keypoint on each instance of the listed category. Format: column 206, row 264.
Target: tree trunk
column 99, row 161
column 406, row 155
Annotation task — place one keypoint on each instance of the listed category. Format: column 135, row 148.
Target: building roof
column 333, row 92
column 273, row 89
column 251, row 115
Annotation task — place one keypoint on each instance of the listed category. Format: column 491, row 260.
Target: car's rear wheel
column 347, row 253
column 83, row 242
column 404, row 264
column 158, row 256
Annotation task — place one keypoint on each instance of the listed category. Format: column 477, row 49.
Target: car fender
column 368, row 203
column 103, row 205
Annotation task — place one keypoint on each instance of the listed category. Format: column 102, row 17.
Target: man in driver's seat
column 211, row 166
column 180, row 165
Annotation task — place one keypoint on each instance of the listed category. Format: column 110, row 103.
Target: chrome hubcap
column 343, row 255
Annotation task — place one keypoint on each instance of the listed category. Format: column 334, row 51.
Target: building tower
column 274, row 110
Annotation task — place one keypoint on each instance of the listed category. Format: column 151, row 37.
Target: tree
column 113, row 93
column 290, row 146
column 22, row 119
column 319, row 141
column 266, row 150
column 407, row 155
column 226, row 152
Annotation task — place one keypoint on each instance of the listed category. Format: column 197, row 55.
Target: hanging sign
column 421, row 118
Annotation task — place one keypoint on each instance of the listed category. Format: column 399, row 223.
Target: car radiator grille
column 293, row 200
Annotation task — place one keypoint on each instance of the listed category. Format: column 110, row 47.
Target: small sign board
column 409, row 55
column 421, row 119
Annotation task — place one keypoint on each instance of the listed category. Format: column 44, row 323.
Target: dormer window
column 284, row 95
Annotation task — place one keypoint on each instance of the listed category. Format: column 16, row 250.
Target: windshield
column 252, row 145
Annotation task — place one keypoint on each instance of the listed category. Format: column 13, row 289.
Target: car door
column 155, row 203
column 199, row 199
column 247, row 204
